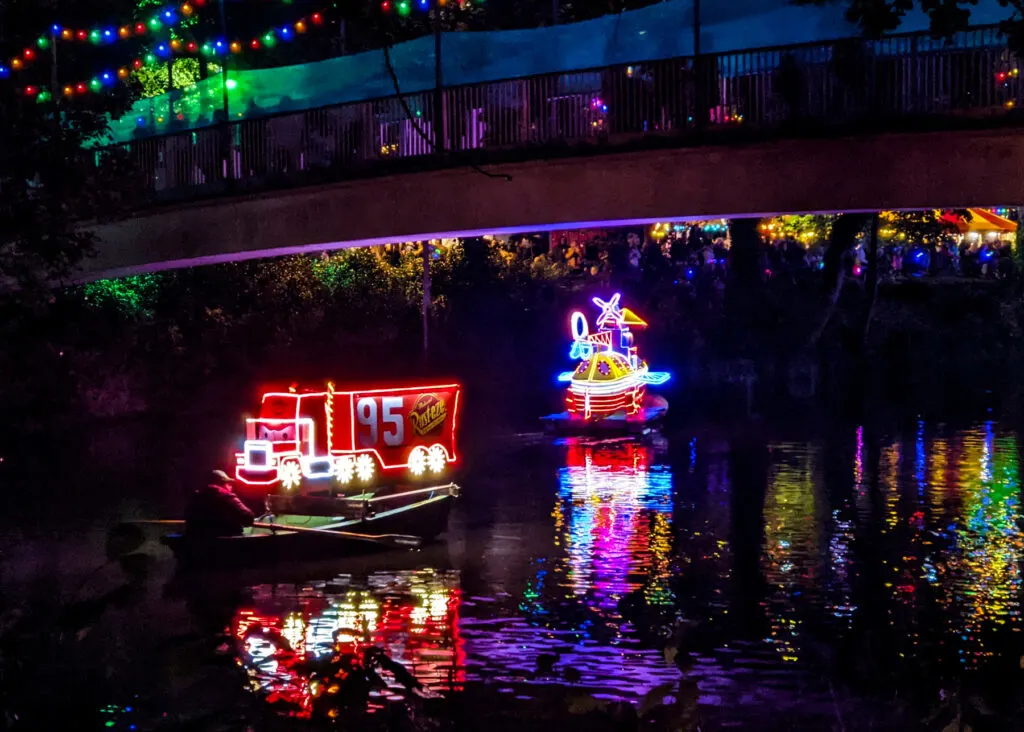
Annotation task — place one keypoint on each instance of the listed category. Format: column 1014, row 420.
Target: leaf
column 546, row 662
column 654, row 698
column 670, row 653
column 981, row 706
column 122, row 539
column 586, row 704
column 136, row 566
column 953, row 726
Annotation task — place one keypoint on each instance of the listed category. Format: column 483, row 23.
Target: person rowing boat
column 216, row 510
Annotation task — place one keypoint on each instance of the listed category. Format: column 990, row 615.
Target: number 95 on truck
column 330, row 441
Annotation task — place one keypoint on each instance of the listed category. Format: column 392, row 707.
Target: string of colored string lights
column 404, row 7
column 166, row 18
column 165, row 51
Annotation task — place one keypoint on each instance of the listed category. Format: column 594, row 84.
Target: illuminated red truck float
column 351, row 439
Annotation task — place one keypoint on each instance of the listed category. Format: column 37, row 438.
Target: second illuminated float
column 608, row 388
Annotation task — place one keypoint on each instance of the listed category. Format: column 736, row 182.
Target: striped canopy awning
column 981, row 220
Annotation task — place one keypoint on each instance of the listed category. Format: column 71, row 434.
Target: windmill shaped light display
column 611, row 379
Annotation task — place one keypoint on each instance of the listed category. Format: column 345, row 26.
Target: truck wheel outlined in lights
column 364, row 468
column 344, row 470
column 418, row 461
column 437, row 458
column 291, row 475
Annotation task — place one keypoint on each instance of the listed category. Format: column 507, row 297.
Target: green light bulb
column 43, row 42
column 154, row 23
column 150, row 58
column 95, row 85
column 44, row 96
column 231, row 84
column 403, row 9
column 94, row 36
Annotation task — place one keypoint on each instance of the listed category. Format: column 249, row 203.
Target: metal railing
column 840, row 82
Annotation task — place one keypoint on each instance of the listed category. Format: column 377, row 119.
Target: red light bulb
column 191, row 46
column 140, row 28
column 29, row 54
column 82, row 35
column 80, row 88
column 255, row 44
column 317, row 18
column 30, row 91
column 137, row 63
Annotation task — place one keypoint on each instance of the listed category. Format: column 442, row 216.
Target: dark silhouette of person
column 215, row 510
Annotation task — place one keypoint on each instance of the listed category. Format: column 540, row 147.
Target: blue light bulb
column 4, row 72
column 140, row 121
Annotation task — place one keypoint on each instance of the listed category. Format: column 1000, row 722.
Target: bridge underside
column 867, row 173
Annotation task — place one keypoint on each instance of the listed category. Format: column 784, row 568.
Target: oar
column 403, row 540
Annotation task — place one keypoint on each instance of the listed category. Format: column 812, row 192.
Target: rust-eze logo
column 428, row 414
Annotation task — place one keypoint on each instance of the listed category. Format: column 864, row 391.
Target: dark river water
column 804, row 574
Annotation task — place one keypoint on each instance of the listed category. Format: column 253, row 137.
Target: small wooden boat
column 303, row 527
column 340, row 471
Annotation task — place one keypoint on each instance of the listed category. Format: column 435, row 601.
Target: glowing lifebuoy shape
column 579, row 327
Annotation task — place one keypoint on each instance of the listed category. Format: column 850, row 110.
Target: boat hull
column 262, row 546
column 566, row 423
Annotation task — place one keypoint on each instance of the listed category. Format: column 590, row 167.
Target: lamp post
column 54, row 84
column 427, row 249
column 701, row 110
column 696, row 28
column 438, row 116
column 439, row 149
column 229, row 142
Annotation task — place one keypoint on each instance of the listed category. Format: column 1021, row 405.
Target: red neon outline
column 451, row 457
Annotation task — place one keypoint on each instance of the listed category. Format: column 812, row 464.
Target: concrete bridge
column 793, row 130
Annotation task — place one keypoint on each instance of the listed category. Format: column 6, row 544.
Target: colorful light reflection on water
column 867, row 551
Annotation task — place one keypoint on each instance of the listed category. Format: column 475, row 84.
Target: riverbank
column 203, row 343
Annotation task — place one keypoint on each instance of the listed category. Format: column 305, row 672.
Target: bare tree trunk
column 872, row 282
column 844, row 233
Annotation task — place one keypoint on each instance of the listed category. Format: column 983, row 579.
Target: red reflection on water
column 411, row 616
